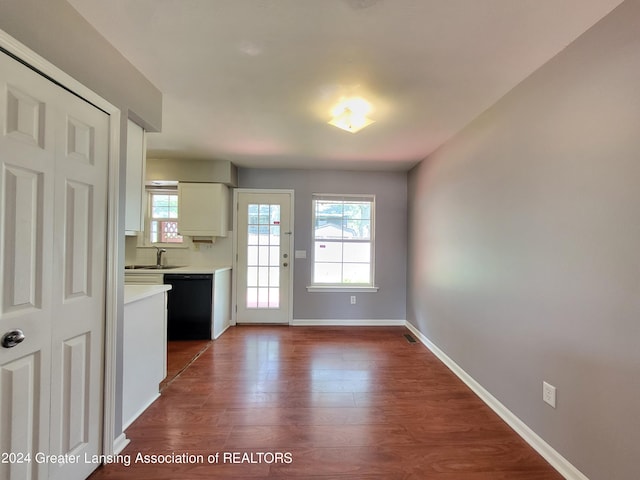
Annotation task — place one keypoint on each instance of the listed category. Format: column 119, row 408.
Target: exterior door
column 53, row 160
column 263, row 253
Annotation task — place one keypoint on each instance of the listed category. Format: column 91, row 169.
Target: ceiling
column 254, row 81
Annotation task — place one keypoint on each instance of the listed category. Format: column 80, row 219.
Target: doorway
column 264, row 267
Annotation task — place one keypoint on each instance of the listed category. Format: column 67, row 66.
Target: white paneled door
column 53, row 160
column 263, row 269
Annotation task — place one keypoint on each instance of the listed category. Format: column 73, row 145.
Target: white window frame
column 144, row 239
column 343, row 287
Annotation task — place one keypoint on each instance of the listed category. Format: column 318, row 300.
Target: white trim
column 135, row 416
column 343, row 287
column 336, row 322
column 557, row 461
column 224, row 330
column 113, row 272
column 120, row 443
column 339, row 289
column 114, row 286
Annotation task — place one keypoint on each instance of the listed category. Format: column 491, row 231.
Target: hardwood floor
column 180, row 354
column 323, row 403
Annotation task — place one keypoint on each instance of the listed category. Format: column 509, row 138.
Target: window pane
column 343, row 236
column 159, row 206
column 264, row 235
column 252, row 276
column 274, row 256
column 153, row 227
column 356, row 273
column 359, row 229
column 274, row 298
column 264, row 215
column 357, row 210
column 328, row 227
column 275, row 236
column 253, row 235
column 169, row 232
column 328, row 252
column 327, row 273
column 252, row 255
column 275, row 214
column 327, row 207
column 252, row 298
column 263, row 297
column 263, row 256
column 274, row 276
column 357, row 252
column 263, row 276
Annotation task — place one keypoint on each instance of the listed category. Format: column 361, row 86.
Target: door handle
column 12, row 338
column 285, row 264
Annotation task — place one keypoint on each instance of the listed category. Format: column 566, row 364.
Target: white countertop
column 187, row 269
column 133, row 293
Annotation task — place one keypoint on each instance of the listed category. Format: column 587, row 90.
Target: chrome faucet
column 159, row 253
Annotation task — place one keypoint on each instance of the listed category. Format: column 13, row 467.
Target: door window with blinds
column 343, row 240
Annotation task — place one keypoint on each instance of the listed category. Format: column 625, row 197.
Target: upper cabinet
column 135, row 195
column 204, row 209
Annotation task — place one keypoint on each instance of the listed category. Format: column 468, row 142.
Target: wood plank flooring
column 323, row 403
column 180, row 354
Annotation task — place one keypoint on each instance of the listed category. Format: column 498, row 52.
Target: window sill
column 340, row 289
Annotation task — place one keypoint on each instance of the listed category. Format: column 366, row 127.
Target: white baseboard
column 557, row 461
column 135, row 416
column 331, row 322
column 223, row 330
column 119, row 443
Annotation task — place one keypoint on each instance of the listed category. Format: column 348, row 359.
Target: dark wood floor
column 180, row 354
column 324, row 403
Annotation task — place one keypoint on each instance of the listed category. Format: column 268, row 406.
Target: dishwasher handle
column 187, row 276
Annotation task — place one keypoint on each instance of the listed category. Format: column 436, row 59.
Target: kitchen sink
column 151, row 267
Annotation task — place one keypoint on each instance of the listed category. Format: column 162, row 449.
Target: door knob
column 285, row 264
column 12, row 338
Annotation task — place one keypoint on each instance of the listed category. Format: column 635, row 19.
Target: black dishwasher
column 189, row 306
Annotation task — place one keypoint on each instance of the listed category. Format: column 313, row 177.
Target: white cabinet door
column 136, row 162
column 53, row 178
column 203, row 209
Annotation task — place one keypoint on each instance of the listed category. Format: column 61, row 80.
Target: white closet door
column 53, row 159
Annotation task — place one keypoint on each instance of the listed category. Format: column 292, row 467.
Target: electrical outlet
column 549, row 394
column 353, row 299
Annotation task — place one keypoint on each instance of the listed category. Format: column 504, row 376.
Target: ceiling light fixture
column 351, row 115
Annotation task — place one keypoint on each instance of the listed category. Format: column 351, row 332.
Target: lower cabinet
column 144, row 352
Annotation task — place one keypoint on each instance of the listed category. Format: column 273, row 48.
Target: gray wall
column 389, row 302
column 54, row 30
column 523, row 248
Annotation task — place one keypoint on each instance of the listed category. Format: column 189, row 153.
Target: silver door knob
column 12, row 338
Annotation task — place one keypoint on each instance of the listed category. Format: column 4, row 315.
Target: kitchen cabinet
column 204, row 209
column 144, row 348
column 135, row 195
column 220, row 297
